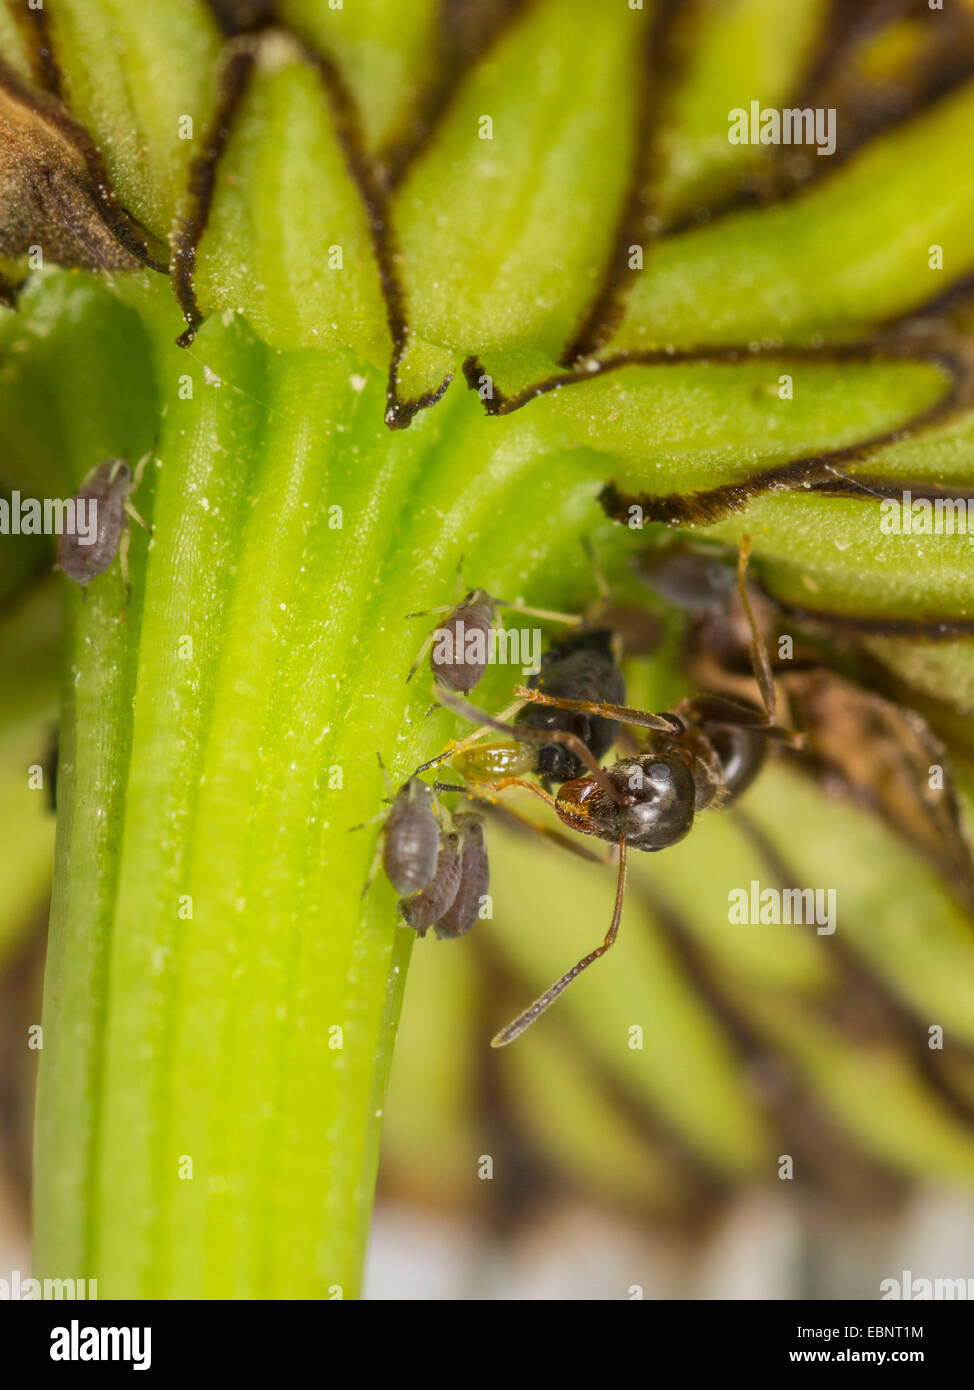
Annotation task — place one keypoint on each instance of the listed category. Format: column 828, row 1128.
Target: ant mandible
column 704, row 754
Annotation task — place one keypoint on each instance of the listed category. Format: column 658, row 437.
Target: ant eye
column 661, row 810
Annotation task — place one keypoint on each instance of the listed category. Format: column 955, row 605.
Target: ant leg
column 760, row 664
column 470, row 738
column 485, row 790
column 517, row 1027
column 623, row 714
column 572, row 843
column 526, row 735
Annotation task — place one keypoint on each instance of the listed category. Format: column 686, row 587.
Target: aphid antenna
column 601, row 583
column 549, row 615
column 545, row 1001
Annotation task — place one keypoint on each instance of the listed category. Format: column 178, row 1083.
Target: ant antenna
column 758, row 651
column 535, row 1010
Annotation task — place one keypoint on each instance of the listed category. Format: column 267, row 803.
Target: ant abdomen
column 736, row 738
column 580, row 666
column 741, row 752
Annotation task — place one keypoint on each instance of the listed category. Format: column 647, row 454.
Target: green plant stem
column 212, row 1084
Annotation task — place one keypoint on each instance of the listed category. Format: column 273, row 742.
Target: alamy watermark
column 794, row 125
column 926, row 516
column 18, row 1288
column 459, row 645
column 911, row 1289
column 756, row 906
column 50, row 516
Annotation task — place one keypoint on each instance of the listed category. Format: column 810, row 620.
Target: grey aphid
column 107, row 492
column 412, row 838
column 474, row 879
column 429, row 905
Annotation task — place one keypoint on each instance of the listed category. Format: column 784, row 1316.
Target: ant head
column 659, row 800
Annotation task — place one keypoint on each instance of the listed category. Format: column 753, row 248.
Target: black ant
column 583, row 664
column 703, row 754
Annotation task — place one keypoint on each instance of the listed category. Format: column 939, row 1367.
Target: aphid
column 460, row 646
column 703, row 754
column 411, row 838
column 463, row 912
column 432, row 902
column 106, row 493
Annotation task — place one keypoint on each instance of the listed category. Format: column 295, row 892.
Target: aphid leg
column 123, row 563
column 470, row 738
column 535, row 1010
column 423, row 650
column 130, row 511
column 363, row 825
column 140, row 469
column 760, row 662
column 376, row 860
column 527, row 735
column 623, row 714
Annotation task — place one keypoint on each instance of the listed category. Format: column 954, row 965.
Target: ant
column 583, row 664
column 703, row 754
